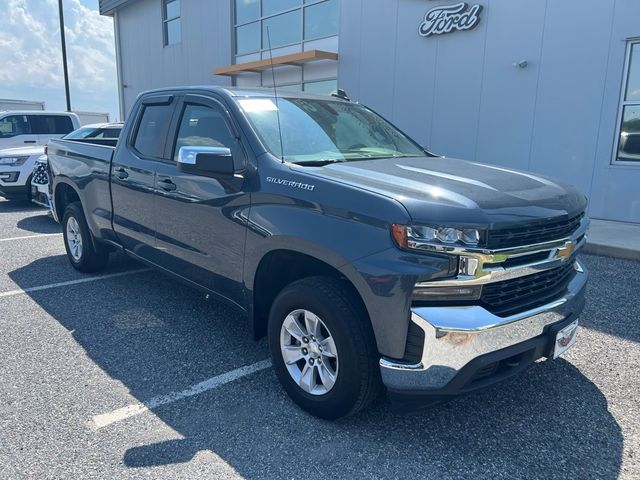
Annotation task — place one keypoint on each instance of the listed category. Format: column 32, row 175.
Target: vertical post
column 64, row 56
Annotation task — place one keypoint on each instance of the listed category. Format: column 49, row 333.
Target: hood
column 22, row 151
column 446, row 190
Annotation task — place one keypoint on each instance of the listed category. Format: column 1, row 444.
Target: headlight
column 417, row 237
column 13, row 161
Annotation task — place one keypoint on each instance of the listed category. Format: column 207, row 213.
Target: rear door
column 133, row 172
column 198, row 223
column 16, row 131
column 47, row 127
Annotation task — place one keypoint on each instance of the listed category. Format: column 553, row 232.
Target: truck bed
column 85, row 167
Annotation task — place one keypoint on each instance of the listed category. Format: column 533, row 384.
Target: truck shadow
column 18, row 206
column 550, row 422
column 39, row 223
column 612, row 304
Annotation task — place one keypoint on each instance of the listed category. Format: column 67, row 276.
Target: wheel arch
column 64, row 194
column 282, row 265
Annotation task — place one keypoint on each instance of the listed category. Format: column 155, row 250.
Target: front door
column 16, row 131
column 133, row 174
column 199, row 219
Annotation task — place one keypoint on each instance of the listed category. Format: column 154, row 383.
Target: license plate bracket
column 565, row 339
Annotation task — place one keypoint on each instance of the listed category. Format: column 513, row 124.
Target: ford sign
column 448, row 18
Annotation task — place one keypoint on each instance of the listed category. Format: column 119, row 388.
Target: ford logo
column 449, row 18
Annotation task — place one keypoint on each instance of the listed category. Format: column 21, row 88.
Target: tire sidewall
column 345, row 392
column 73, row 211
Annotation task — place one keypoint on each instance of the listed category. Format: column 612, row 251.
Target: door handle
column 29, row 141
column 167, row 185
column 121, row 173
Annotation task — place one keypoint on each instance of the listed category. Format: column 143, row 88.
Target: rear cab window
column 50, row 124
column 151, row 130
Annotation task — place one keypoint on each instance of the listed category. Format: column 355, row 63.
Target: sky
column 31, row 57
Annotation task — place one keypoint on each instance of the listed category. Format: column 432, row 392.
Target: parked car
column 99, row 133
column 367, row 261
column 29, row 128
column 16, row 168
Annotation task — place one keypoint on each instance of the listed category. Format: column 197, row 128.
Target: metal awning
column 298, row 59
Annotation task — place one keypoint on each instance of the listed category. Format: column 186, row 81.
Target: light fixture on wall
column 521, row 64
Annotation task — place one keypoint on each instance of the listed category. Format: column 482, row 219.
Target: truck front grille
column 517, row 295
column 532, row 234
column 40, row 176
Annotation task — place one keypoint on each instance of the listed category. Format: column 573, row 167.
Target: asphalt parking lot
column 128, row 374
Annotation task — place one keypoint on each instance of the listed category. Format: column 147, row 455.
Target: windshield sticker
column 291, row 183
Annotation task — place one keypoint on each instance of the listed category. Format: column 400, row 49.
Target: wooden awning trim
column 299, row 59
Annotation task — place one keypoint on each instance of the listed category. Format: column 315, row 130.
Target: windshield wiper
column 319, row 163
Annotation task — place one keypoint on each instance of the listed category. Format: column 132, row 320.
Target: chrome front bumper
column 455, row 336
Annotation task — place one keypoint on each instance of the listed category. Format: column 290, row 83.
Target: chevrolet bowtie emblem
column 566, row 251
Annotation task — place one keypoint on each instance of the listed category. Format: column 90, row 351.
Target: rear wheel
column 323, row 348
column 83, row 253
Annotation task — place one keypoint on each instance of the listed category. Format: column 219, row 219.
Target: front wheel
column 82, row 253
column 323, row 348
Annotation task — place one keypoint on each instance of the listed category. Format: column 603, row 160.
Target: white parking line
column 21, row 291
column 105, row 419
column 30, row 236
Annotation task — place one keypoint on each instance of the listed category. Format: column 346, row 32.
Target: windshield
column 316, row 131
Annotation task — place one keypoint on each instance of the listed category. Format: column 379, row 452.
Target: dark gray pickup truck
column 367, row 261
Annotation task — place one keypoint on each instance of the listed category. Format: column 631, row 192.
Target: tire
column 90, row 257
column 356, row 372
column 29, row 198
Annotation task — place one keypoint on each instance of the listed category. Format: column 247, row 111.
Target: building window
column 322, row 87
column 628, row 148
column 289, row 22
column 318, row 87
column 171, row 23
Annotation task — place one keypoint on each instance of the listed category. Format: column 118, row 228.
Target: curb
column 612, row 251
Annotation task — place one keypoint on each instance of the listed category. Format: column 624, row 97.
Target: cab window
column 204, row 126
column 50, row 124
column 151, row 130
column 13, row 125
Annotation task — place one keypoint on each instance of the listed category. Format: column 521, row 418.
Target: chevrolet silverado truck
column 367, row 261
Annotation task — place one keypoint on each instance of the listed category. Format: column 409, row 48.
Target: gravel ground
column 76, row 351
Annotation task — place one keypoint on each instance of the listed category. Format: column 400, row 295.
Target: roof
column 108, row 7
column 37, row 112
column 258, row 92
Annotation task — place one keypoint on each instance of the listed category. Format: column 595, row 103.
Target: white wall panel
column 460, row 95
column 507, row 107
column 146, row 63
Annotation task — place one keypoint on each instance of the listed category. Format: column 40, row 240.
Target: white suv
column 28, row 128
column 16, row 166
column 22, row 139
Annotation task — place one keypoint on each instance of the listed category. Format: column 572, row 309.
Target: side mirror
column 206, row 161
